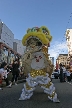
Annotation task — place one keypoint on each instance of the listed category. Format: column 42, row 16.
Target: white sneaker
column 9, row 86
column 15, row 83
column 1, row 88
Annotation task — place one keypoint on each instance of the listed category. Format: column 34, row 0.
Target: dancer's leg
column 27, row 92
column 50, row 90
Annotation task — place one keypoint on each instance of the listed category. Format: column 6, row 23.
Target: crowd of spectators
column 65, row 74
column 6, row 69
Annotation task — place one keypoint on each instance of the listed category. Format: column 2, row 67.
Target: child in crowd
column 3, row 73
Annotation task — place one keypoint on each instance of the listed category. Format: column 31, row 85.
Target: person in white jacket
column 68, row 74
column 4, row 73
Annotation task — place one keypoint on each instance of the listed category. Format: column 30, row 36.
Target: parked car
column 56, row 74
column 52, row 76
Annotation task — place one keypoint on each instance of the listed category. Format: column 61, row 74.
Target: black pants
column 61, row 78
column 7, row 81
column 71, row 75
column 68, row 78
column 15, row 76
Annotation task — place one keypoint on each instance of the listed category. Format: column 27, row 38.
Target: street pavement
column 9, row 97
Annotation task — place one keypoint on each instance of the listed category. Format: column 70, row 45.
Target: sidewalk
column 20, row 80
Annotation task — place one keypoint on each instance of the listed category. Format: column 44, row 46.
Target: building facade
column 68, row 36
column 63, row 59
column 6, row 44
column 52, row 60
column 6, row 35
column 7, row 54
column 18, row 47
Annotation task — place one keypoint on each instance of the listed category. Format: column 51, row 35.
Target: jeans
column 7, row 81
column 15, row 76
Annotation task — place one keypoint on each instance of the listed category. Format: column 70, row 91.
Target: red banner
column 56, row 65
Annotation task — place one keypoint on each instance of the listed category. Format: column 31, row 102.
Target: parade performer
column 36, row 63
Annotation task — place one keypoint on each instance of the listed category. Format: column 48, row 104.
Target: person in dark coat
column 61, row 73
column 15, row 71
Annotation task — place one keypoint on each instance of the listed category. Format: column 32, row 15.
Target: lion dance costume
column 36, row 63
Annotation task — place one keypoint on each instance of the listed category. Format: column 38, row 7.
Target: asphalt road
column 9, row 97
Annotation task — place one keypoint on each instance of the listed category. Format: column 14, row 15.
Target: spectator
column 10, row 68
column 64, row 72
column 61, row 73
column 68, row 74
column 0, row 80
column 3, row 72
column 15, row 71
column 0, row 65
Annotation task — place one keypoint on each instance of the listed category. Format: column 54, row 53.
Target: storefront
column 7, row 54
column 11, row 57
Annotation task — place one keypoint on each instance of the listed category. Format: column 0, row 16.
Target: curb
column 19, row 81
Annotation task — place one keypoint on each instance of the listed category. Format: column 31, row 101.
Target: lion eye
column 40, row 57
